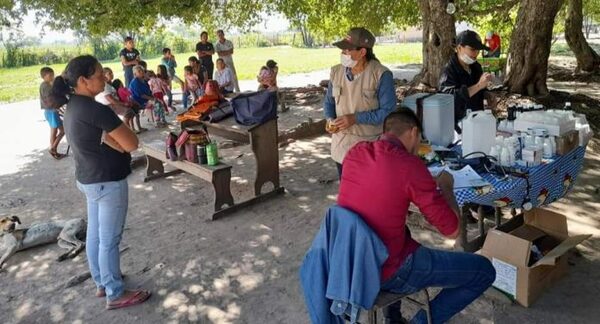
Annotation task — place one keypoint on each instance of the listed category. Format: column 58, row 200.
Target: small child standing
column 159, row 105
column 192, row 85
column 168, row 60
column 161, row 87
column 57, row 131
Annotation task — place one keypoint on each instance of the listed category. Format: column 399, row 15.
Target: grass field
column 23, row 83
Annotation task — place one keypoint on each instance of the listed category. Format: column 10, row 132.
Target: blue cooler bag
column 255, row 108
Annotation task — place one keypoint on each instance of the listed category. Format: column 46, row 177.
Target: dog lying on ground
column 69, row 235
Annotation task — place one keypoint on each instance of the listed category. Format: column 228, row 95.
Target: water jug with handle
column 436, row 113
column 478, row 132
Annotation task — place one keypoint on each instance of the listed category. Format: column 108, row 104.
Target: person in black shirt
column 205, row 51
column 130, row 57
column 463, row 76
column 101, row 144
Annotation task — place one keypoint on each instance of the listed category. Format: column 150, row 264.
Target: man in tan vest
column 359, row 96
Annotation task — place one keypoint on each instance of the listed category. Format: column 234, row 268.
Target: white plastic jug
column 478, row 132
column 438, row 116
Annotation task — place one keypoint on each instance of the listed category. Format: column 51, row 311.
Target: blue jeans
column 184, row 99
column 128, row 71
column 107, row 209
column 464, row 277
column 169, row 99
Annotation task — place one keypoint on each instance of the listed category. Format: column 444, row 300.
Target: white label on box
column 506, row 277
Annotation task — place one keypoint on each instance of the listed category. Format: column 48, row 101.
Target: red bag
column 171, row 150
column 191, row 152
column 183, row 137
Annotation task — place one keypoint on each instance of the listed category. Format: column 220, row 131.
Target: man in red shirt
column 492, row 40
column 379, row 181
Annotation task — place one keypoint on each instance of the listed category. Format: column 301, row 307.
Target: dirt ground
column 242, row 268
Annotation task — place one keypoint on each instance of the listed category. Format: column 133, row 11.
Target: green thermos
column 212, row 155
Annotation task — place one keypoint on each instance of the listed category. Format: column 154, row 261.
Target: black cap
column 470, row 38
column 357, row 37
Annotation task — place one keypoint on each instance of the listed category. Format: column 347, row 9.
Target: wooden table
column 263, row 141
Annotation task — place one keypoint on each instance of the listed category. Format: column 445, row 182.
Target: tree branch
column 503, row 8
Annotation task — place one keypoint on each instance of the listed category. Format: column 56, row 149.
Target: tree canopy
column 103, row 17
column 327, row 19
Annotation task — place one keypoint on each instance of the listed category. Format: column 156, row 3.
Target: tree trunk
column 307, row 38
column 438, row 40
column 527, row 65
column 587, row 59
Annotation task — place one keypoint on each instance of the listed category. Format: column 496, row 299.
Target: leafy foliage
column 100, row 18
column 330, row 19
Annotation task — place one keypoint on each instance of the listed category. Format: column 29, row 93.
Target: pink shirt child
column 157, row 85
column 193, row 84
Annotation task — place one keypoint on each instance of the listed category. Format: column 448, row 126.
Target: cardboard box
column 567, row 142
column 510, row 254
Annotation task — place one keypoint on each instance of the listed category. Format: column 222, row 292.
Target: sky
column 273, row 23
column 30, row 28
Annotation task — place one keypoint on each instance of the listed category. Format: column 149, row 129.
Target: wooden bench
column 263, row 142
column 219, row 175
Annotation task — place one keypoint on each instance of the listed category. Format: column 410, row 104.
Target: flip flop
column 139, row 297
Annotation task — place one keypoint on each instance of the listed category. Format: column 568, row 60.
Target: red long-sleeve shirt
column 379, row 181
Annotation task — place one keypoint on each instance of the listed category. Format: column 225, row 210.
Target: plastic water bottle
column 505, row 157
column 547, row 148
column 514, row 141
column 212, row 154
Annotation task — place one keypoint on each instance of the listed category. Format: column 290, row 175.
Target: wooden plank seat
column 386, row 298
column 219, row 175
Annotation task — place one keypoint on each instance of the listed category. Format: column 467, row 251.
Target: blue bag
column 255, row 107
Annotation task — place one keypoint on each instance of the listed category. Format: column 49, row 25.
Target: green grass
column 23, row 83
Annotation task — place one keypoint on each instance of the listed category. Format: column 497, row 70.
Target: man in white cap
column 359, row 96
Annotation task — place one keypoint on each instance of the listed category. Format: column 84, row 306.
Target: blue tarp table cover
column 548, row 183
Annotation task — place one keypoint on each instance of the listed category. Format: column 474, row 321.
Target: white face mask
column 347, row 61
column 467, row 59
